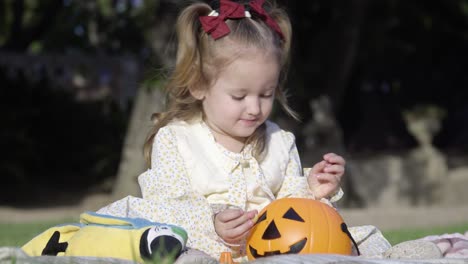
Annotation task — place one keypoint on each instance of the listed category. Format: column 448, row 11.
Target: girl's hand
column 325, row 177
column 232, row 225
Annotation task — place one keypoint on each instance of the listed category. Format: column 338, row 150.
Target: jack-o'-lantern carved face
column 298, row 226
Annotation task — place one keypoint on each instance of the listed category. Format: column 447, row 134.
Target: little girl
column 215, row 159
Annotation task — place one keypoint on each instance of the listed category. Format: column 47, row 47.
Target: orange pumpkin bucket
column 298, row 226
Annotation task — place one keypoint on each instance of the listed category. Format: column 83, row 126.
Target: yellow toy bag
column 100, row 235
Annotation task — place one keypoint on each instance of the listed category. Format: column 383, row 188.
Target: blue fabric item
column 132, row 223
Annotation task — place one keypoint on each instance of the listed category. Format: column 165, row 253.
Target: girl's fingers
column 318, row 167
column 229, row 221
column 334, row 159
column 327, row 177
column 240, row 231
column 245, row 227
column 229, row 215
column 336, row 169
column 252, row 215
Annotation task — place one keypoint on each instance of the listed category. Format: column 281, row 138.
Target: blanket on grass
column 446, row 248
column 451, row 245
column 9, row 255
column 438, row 249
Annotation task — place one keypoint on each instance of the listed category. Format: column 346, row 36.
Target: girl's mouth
column 249, row 122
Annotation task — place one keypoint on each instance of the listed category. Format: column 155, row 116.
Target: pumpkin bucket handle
column 344, row 228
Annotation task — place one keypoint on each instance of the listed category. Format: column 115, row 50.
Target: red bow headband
column 217, row 27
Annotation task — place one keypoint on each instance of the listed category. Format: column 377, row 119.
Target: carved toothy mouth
column 293, row 249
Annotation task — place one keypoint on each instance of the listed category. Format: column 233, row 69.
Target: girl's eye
column 237, row 98
column 267, row 95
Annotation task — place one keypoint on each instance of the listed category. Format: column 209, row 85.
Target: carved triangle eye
column 271, row 232
column 292, row 215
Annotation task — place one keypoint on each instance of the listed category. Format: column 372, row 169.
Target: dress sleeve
column 167, row 184
column 294, row 184
column 167, row 177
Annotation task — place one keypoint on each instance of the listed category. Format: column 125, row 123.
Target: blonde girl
column 215, row 158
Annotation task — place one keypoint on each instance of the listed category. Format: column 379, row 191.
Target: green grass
column 397, row 236
column 16, row 235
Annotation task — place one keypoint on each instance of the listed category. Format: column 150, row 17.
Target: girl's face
column 241, row 99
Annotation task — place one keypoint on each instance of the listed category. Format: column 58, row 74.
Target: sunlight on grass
column 397, row 236
column 17, row 234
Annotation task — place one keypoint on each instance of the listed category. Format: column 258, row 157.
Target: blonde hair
column 200, row 59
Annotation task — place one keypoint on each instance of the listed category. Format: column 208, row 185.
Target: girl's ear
column 198, row 93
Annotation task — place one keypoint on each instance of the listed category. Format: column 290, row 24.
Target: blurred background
column 383, row 83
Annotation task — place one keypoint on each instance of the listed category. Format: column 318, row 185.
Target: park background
column 383, row 83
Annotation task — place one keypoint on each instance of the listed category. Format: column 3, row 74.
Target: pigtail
column 283, row 21
column 186, row 75
column 189, row 35
column 285, row 25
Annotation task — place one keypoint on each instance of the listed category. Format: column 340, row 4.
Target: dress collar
column 245, row 154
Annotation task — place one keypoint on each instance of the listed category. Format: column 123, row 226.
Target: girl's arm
column 295, row 184
column 325, row 176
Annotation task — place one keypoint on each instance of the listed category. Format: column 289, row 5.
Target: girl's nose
column 253, row 107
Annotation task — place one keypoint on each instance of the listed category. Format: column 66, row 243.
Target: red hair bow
column 216, row 25
column 256, row 6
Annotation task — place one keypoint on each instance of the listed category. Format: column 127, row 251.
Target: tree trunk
column 132, row 163
column 147, row 102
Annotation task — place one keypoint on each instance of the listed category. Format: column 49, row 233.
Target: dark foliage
column 53, row 145
column 374, row 58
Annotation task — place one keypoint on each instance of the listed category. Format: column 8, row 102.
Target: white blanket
column 375, row 249
column 9, row 255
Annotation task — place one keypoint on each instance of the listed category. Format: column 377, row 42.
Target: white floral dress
column 192, row 177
